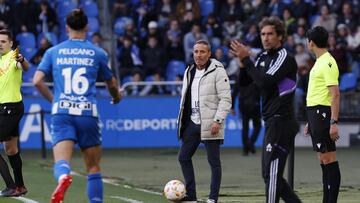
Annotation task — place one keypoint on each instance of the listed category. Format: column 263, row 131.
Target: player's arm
column 21, row 62
column 250, row 72
column 234, row 94
column 335, row 103
column 113, row 89
column 276, row 73
column 278, row 70
column 39, row 83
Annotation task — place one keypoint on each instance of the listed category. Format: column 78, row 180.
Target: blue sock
column 95, row 188
column 61, row 167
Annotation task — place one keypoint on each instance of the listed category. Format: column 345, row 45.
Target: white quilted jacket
column 214, row 98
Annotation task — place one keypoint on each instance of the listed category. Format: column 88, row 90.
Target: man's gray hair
column 205, row 42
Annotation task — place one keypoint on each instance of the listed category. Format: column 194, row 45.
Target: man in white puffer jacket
column 205, row 103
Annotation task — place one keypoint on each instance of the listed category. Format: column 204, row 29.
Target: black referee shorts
column 10, row 116
column 319, row 128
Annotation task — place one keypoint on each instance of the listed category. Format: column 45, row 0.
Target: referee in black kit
column 274, row 72
column 322, row 101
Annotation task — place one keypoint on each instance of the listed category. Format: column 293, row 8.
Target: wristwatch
column 333, row 121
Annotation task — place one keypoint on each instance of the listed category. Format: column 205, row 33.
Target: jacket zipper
column 206, row 73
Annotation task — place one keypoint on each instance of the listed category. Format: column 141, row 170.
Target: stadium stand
column 175, row 68
column 90, row 8
column 64, row 7
column 348, row 82
column 26, row 39
column 52, row 37
column 206, row 7
column 241, row 13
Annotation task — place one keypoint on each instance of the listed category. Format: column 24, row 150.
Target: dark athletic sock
column 16, row 164
column 334, row 178
column 5, row 173
column 325, row 184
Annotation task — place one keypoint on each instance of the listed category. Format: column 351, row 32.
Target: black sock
column 325, row 184
column 5, row 173
column 334, row 178
column 16, row 164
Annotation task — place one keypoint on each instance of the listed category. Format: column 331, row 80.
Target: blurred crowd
column 155, row 37
column 151, row 34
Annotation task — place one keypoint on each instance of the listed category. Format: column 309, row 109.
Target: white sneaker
column 210, row 201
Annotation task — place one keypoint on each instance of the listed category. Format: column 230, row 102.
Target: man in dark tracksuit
column 249, row 107
column 274, row 71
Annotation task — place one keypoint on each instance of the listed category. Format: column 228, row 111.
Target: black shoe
column 9, row 192
column 187, row 199
column 252, row 149
column 246, row 150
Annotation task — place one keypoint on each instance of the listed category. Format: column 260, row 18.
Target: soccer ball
column 174, row 190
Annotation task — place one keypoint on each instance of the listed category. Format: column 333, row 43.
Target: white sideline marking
column 26, row 200
column 126, row 199
column 112, row 182
column 143, row 190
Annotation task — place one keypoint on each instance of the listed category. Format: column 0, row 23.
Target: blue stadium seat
column 356, row 69
column 127, row 79
column 149, row 78
column 119, row 25
column 26, row 39
column 90, row 8
column 63, row 36
column 62, row 25
column 174, row 68
column 50, row 36
column 27, row 77
column 89, row 35
column 81, row 2
column 313, row 18
column 206, row 7
column 93, row 24
column 348, row 82
column 27, row 52
column 65, row 7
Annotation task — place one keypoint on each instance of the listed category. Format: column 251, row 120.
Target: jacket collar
column 209, row 65
column 274, row 51
column 206, row 65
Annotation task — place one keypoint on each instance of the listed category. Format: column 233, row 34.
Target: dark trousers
column 190, row 142
column 249, row 142
column 279, row 134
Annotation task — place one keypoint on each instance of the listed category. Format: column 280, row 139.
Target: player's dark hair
column 277, row 24
column 204, row 42
column 77, row 19
column 7, row 33
column 319, row 36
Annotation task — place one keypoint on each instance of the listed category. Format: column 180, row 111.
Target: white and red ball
column 174, row 190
